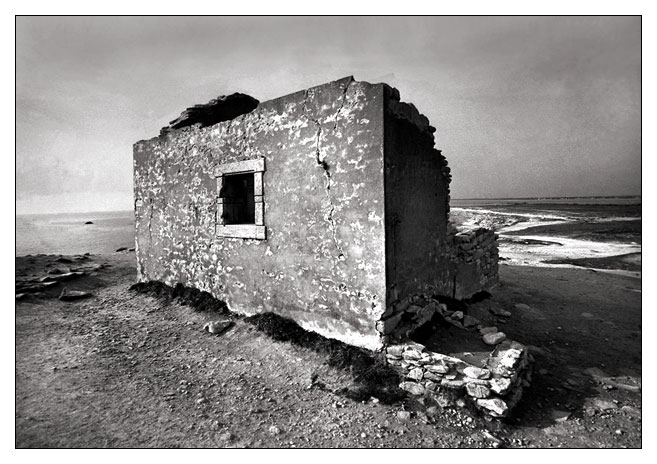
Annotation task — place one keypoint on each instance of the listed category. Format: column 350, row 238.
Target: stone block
column 500, row 385
column 413, row 388
column 415, row 374
column 395, row 350
column 494, row 338
column 456, row 384
column 430, row 385
column 495, row 406
column 476, row 372
column 477, row 391
column 432, row 376
column 438, row 368
column 412, row 355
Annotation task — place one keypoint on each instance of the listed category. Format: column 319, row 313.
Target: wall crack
column 321, row 162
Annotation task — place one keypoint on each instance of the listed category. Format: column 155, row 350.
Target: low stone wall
column 494, row 387
column 475, row 254
column 403, row 317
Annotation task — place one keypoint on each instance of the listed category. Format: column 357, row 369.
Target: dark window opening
column 238, row 199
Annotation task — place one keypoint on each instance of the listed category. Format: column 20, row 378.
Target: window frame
column 258, row 230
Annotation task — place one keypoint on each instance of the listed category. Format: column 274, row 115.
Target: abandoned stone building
column 329, row 206
column 326, row 206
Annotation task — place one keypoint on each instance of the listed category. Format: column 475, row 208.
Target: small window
column 240, row 199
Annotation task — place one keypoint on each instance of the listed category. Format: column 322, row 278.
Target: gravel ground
column 127, row 369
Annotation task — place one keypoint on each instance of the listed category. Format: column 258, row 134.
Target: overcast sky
column 523, row 107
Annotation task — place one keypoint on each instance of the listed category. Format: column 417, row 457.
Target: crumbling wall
column 424, row 254
column 494, row 388
column 475, row 254
column 417, row 204
column 322, row 263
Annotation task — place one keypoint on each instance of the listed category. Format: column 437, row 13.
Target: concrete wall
column 323, row 260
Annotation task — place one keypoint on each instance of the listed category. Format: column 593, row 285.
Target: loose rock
column 403, row 415
column 494, row 338
column 500, row 385
column 500, row 312
column 602, row 405
column 70, row 295
column 631, row 411
column 476, row 372
column 412, row 387
column 560, row 416
column 395, row 350
column 415, row 374
column 217, row 327
column 477, row 391
column 496, row 406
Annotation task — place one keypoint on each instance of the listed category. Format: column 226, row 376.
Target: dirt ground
column 126, row 369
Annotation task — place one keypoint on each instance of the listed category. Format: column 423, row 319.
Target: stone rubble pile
column 220, row 109
column 494, row 388
column 403, row 318
column 400, row 320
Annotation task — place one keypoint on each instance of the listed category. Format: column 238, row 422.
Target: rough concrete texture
column 355, row 205
column 323, row 260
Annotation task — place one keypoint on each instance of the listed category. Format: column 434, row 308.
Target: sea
column 68, row 233
column 533, row 231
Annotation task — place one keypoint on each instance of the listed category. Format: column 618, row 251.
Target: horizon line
column 452, row 199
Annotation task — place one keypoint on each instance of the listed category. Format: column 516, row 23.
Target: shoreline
column 599, row 238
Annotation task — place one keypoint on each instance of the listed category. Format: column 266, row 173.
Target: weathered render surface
column 356, row 211
column 323, row 260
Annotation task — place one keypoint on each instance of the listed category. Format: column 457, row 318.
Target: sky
column 523, row 106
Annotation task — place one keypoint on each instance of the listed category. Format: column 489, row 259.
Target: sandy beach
column 126, row 369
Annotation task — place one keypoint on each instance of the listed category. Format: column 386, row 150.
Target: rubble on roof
column 220, row 109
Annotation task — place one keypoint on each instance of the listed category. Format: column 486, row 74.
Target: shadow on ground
column 372, row 378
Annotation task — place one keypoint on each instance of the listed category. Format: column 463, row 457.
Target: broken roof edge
column 397, row 108
column 220, row 109
column 406, row 111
